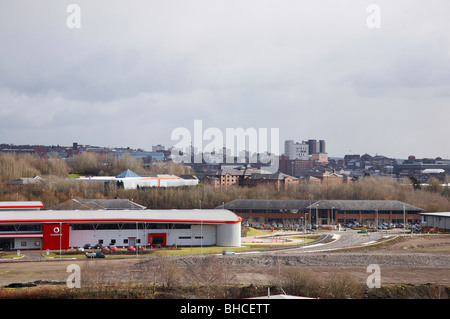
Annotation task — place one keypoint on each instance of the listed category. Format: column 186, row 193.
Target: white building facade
column 296, row 150
column 74, row 228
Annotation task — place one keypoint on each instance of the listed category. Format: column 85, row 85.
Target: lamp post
column 201, row 229
column 60, row 239
column 302, row 224
column 304, row 241
column 404, row 219
column 317, row 217
column 332, row 219
column 376, row 212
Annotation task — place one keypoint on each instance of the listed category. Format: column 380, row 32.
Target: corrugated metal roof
column 95, row 204
column 211, row 216
column 267, row 204
column 393, row 205
column 357, row 205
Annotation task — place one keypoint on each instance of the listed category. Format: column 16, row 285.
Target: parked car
column 87, row 246
column 80, row 249
column 362, row 231
column 95, row 254
column 131, row 248
column 228, row 252
column 113, row 248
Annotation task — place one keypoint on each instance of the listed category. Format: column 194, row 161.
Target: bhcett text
column 238, row 308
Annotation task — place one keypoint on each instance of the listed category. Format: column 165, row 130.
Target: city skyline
column 130, row 74
column 159, row 148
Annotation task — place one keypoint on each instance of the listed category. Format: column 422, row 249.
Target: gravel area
column 414, row 260
column 422, row 259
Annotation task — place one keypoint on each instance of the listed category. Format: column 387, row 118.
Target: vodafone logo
column 55, row 231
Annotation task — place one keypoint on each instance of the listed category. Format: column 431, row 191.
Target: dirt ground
column 416, row 260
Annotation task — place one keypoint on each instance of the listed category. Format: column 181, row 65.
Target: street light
column 376, row 212
column 304, row 240
column 332, row 219
column 317, row 217
column 404, row 219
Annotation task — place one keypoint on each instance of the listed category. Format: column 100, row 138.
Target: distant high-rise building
column 322, row 146
column 312, row 146
column 295, row 150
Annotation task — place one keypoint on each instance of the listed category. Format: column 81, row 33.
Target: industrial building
column 438, row 221
column 31, row 228
column 130, row 180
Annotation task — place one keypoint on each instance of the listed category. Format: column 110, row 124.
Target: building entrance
column 6, row 243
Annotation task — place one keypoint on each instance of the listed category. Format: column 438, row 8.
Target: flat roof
column 439, row 214
column 195, row 216
column 21, row 205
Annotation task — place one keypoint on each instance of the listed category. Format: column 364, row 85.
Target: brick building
column 325, row 212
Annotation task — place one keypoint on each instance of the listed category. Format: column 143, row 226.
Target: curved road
column 347, row 239
column 332, row 240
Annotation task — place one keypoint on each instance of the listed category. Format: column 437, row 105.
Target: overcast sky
column 136, row 70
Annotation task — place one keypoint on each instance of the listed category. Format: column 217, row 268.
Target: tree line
column 55, row 187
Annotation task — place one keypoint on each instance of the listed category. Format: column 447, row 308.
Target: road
column 333, row 240
column 347, row 239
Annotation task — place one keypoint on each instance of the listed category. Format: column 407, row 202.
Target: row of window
column 129, row 226
column 38, row 227
column 126, row 241
column 114, row 242
column 22, row 228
